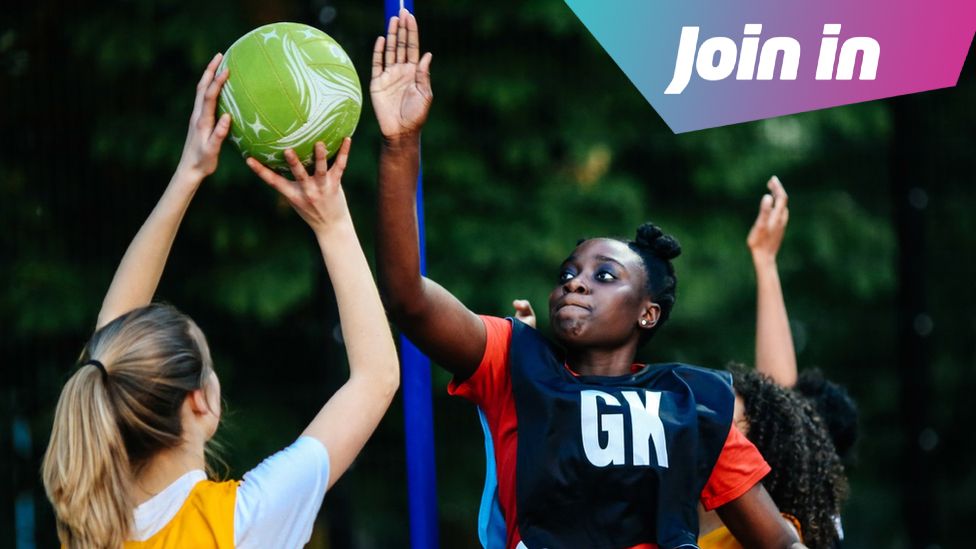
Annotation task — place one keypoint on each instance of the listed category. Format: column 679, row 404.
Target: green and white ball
column 290, row 85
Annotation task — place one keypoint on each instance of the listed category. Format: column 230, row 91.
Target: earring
column 643, row 322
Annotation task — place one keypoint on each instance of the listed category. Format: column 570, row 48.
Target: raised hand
column 400, row 85
column 775, row 354
column 767, row 232
column 524, row 312
column 205, row 135
column 142, row 265
column 317, row 198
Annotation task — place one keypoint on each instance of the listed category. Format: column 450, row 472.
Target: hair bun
column 651, row 237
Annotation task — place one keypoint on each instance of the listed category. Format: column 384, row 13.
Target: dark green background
column 535, row 139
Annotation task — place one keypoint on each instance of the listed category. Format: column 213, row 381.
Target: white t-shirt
column 276, row 503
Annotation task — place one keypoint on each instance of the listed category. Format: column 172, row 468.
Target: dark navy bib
column 611, row 462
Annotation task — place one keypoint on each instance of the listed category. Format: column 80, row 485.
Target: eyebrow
column 611, row 260
column 608, row 259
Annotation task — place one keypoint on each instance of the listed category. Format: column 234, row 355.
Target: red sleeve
column 739, row 467
column 489, row 382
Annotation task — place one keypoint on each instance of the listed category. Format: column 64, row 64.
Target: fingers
column 295, row 165
column 765, row 209
column 777, row 190
column 220, row 131
column 775, row 186
column 423, row 74
column 378, row 56
column 390, row 53
column 524, row 312
column 413, row 39
column 780, row 200
column 339, row 166
column 209, row 107
column 280, row 184
column 321, row 159
column 209, row 71
column 401, row 46
column 205, row 80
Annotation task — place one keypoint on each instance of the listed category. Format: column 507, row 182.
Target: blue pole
column 417, row 408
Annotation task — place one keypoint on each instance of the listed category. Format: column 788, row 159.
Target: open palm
column 400, row 85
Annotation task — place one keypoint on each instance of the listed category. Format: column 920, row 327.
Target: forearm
column 366, row 333
column 348, row 419
column 775, row 354
column 397, row 247
column 755, row 521
column 138, row 274
column 434, row 320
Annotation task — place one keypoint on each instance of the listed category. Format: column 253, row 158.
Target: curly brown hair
column 807, row 478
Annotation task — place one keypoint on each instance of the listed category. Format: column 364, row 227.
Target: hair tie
column 97, row 364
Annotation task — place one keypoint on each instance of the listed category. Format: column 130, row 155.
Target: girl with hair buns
column 806, row 479
column 585, row 448
column 125, row 466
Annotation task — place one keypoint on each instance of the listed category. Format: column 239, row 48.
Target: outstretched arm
column 755, row 521
column 775, row 354
column 429, row 315
column 142, row 265
column 348, row 419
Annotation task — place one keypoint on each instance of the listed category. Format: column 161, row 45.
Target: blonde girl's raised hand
column 205, row 134
column 318, row 198
column 138, row 274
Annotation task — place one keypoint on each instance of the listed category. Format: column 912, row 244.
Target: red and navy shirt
column 738, row 468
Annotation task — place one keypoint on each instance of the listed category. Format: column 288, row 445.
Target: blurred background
column 535, row 139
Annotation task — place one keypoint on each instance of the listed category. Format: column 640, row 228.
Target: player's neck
column 602, row 362
column 164, row 469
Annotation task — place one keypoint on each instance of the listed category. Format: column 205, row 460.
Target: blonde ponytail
column 86, row 468
column 114, row 416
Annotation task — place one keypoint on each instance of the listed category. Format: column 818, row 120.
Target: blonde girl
column 125, row 465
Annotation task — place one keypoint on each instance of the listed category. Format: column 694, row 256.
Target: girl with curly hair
column 775, row 354
column 806, row 478
column 802, row 427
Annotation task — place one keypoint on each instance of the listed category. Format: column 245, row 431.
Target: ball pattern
column 290, row 85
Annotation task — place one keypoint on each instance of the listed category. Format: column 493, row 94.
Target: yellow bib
column 206, row 520
column 721, row 538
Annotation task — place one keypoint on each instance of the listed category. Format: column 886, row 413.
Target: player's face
column 600, row 296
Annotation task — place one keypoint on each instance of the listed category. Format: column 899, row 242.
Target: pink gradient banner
column 897, row 46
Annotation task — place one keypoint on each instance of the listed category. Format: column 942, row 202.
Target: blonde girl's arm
column 775, row 354
column 348, row 419
column 137, row 276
